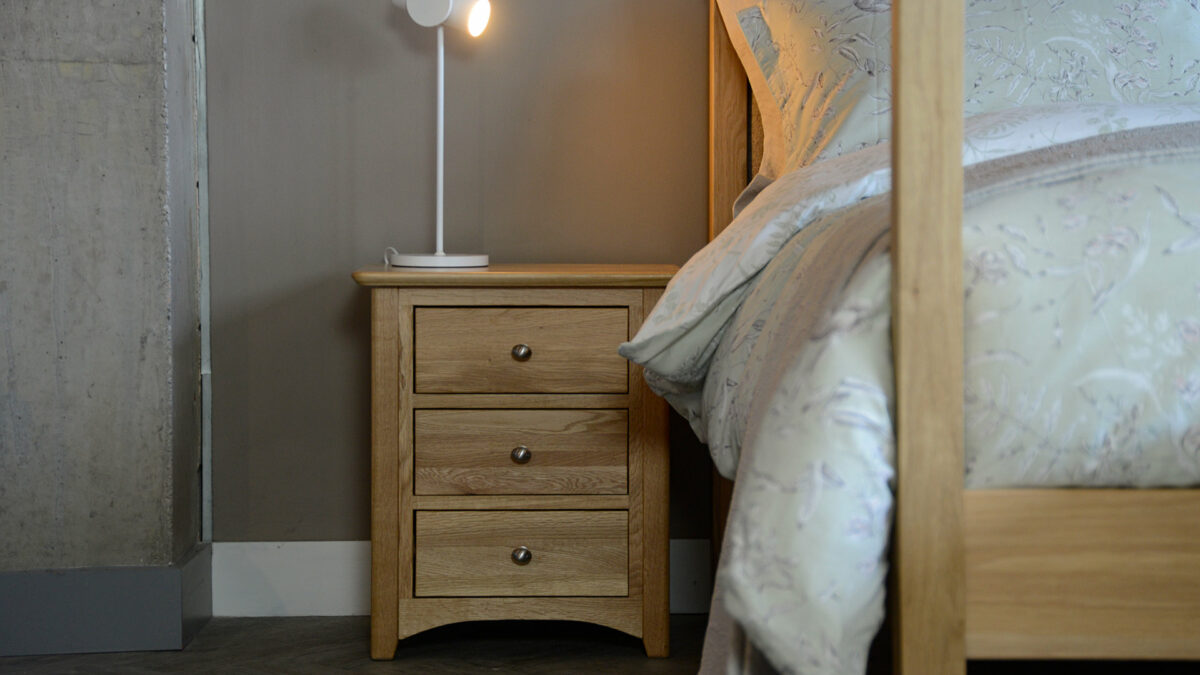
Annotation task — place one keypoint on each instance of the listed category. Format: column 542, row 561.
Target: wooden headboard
column 734, row 128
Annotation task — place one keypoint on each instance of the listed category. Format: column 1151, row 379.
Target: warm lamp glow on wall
column 471, row 16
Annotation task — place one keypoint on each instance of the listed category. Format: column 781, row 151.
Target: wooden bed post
column 728, row 173
column 929, row 602
column 728, row 130
column 735, row 149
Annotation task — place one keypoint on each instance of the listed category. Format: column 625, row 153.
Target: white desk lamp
column 471, row 16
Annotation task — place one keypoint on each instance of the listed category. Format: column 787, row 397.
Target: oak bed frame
column 982, row 574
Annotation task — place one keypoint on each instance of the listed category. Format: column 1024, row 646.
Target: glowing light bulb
column 478, row 19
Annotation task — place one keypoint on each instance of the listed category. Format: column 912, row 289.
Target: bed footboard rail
column 1083, row 574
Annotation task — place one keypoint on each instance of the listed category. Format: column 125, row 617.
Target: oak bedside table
column 519, row 465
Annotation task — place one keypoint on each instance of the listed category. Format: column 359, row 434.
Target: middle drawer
column 530, row 452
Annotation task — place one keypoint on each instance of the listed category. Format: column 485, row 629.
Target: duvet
column 1082, row 352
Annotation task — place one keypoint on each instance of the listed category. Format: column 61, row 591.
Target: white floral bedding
column 821, row 69
column 1082, row 359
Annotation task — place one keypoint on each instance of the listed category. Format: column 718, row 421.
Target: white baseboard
column 291, row 578
column 333, row 578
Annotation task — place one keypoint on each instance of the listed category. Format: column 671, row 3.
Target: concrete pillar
column 99, row 430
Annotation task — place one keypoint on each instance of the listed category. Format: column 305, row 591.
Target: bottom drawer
column 472, row 553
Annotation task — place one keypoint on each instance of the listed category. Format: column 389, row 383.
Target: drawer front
column 471, row 553
column 478, row 452
column 468, row 350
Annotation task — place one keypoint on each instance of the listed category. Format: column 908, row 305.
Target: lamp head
column 469, row 15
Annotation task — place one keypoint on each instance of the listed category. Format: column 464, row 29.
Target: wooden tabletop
column 608, row 276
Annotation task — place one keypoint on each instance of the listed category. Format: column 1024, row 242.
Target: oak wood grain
column 523, row 297
column 927, row 292
column 570, row 451
column 534, row 502
column 521, row 275
column 637, row 528
column 756, row 138
column 728, row 102
column 403, row 486
column 514, row 401
column 651, row 437
column 1083, row 573
column 385, row 467
column 419, row 614
column 468, row 553
column 469, row 350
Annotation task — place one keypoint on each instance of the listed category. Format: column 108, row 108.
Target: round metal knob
column 521, row 555
column 521, row 454
column 522, row 352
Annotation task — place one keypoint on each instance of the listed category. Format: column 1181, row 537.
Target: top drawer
column 568, row 350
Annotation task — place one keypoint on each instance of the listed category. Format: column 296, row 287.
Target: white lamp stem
column 439, row 258
column 441, row 133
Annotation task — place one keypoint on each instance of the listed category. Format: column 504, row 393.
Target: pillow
column 821, row 69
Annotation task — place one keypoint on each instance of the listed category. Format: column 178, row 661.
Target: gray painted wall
column 97, row 317
column 575, row 133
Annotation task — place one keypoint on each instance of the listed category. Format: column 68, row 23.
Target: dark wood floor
column 339, row 644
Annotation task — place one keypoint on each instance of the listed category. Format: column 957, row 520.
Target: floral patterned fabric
column 821, row 70
column 703, row 296
column 1082, row 363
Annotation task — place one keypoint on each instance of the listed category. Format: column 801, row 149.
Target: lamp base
column 436, row 259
